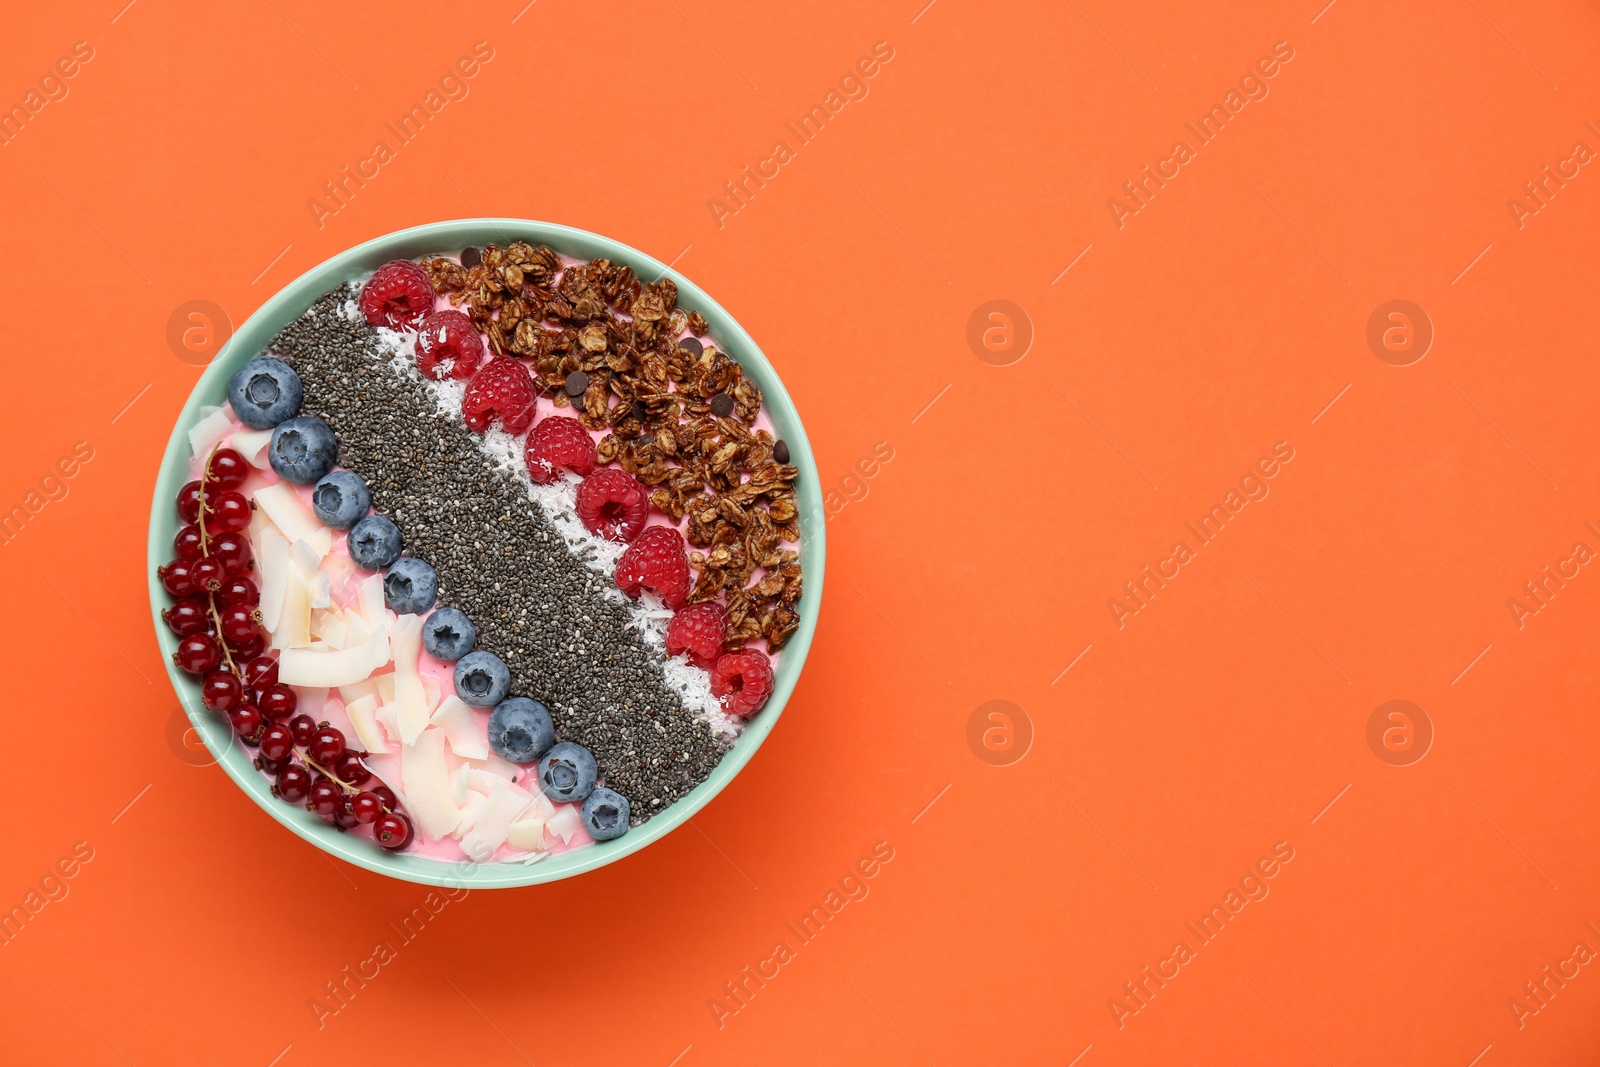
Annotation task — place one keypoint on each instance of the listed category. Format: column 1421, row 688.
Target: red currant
column 278, row 701
column 187, row 544
column 366, row 807
column 232, row 550
column 304, row 727
column 349, row 769
column 227, row 469
column 248, row 722
column 261, row 673
column 207, row 573
column 190, row 499
column 229, row 511
column 386, row 797
column 327, row 745
column 198, row 654
column 393, row 831
column 271, row 766
column 238, row 591
column 238, row 624
column 277, row 741
column 294, row 783
column 248, row 649
column 347, row 819
column 175, row 578
column 325, row 797
column 222, row 690
column 187, row 616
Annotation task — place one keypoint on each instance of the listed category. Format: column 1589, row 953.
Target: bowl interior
column 449, row 238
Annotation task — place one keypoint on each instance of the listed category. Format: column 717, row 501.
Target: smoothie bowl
column 486, row 553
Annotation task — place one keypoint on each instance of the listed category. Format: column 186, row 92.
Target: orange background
column 1228, row 715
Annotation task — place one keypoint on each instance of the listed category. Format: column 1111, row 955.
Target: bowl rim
column 439, row 238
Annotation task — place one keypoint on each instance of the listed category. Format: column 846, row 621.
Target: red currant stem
column 216, row 618
column 348, row 788
column 222, row 642
column 205, row 473
column 205, row 550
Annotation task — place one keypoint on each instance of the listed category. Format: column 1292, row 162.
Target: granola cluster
column 679, row 414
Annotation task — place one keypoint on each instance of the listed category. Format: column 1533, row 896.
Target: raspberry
column 559, row 442
column 502, row 389
column 742, row 681
column 698, row 630
column 656, row 563
column 397, row 296
column 448, row 346
column 613, row 504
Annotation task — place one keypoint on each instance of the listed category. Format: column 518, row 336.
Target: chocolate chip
column 471, row 257
column 722, row 404
column 646, row 439
column 638, row 410
column 780, row 451
column 577, row 382
column 692, row 345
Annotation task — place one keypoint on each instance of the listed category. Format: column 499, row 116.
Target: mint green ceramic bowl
column 449, row 238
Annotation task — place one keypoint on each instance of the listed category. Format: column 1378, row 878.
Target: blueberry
column 567, row 772
column 482, row 679
column 448, row 634
column 340, row 499
column 303, row 449
column 264, row 392
column 605, row 814
column 374, row 542
column 520, row 729
column 410, row 586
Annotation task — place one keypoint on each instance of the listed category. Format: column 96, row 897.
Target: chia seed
column 501, row 561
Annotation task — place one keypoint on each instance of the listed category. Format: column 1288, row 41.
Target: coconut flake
column 252, row 445
column 354, row 692
column 493, row 823
column 299, row 666
column 214, row 425
column 356, row 628
column 273, row 555
column 290, row 514
column 499, row 767
column 410, row 699
column 425, row 776
column 307, row 556
column 565, row 823
column 486, row 782
column 539, row 808
column 369, row 597
column 526, row 834
column 363, row 716
column 294, row 620
column 461, row 728
column 386, row 719
column 329, row 628
column 469, row 814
